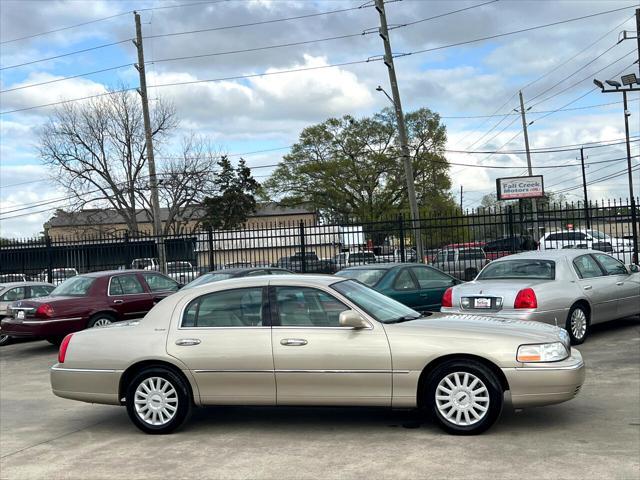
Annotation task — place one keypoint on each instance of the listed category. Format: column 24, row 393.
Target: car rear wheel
column 578, row 324
column 4, row 340
column 100, row 320
column 158, row 401
column 464, row 397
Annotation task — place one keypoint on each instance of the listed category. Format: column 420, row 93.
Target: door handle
column 293, row 342
column 619, row 283
column 187, row 342
column 588, row 287
column 118, row 302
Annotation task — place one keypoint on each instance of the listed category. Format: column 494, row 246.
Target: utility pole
column 584, row 189
column 634, row 220
column 534, row 203
column 402, row 131
column 638, row 37
column 461, row 207
column 153, row 181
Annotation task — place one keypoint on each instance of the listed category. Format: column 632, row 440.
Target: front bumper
column 34, row 328
column 86, row 385
column 537, row 384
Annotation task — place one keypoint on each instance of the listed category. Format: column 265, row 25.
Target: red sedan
column 88, row 300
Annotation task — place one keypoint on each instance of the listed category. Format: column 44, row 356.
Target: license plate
column 482, row 303
column 20, row 315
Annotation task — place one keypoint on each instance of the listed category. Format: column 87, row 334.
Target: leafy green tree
column 350, row 168
column 236, row 197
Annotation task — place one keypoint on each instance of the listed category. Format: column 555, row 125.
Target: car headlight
column 542, row 352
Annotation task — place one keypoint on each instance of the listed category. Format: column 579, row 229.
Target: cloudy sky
column 554, row 66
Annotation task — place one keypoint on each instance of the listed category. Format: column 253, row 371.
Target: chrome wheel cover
column 102, row 322
column 156, row 401
column 578, row 324
column 462, row 398
column 3, row 338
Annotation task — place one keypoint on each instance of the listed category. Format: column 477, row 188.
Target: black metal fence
column 457, row 242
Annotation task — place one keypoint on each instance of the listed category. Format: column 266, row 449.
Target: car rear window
column 74, row 287
column 471, row 254
column 524, row 268
column 369, row 277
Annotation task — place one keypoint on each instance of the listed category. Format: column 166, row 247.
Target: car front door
column 432, row 285
column 598, row 287
column 628, row 285
column 127, row 296
column 224, row 338
column 318, row 362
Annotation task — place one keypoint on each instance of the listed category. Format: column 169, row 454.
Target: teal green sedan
column 418, row 286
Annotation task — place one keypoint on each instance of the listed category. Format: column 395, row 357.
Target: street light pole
column 402, row 131
column 628, row 80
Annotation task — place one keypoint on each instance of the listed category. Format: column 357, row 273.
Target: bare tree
column 185, row 181
column 96, row 150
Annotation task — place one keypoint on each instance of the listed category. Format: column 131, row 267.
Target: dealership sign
column 512, row 188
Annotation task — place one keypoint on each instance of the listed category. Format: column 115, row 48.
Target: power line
column 601, row 179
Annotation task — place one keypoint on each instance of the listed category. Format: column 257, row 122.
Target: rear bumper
column 552, row 317
column 34, row 328
column 534, row 385
column 86, row 385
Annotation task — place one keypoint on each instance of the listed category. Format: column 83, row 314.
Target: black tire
column 55, row 340
column 4, row 340
column 470, row 274
column 491, row 398
column 575, row 313
column 183, row 402
column 99, row 319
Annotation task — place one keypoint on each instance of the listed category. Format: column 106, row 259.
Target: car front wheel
column 578, row 324
column 464, row 397
column 4, row 340
column 158, row 401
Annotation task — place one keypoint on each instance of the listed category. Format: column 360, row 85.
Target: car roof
column 21, row 284
column 554, row 254
column 236, row 270
column 376, row 266
column 106, row 273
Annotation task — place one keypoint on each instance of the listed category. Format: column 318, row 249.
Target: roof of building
column 97, row 216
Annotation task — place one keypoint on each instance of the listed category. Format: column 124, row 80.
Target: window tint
column 587, row 267
column 404, row 281
column 14, row 294
column 430, row 278
column 159, row 283
column 611, row 265
column 40, row 290
column 125, row 285
column 308, row 307
column 230, row 308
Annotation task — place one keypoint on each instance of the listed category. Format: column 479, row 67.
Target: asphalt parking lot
column 596, row 435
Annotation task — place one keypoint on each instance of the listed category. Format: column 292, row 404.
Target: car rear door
column 318, row 362
column 598, row 287
column 224, row 338
column 127, row 296
column 628, row 285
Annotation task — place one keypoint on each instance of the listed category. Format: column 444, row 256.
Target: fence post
column 127, row 251
column 47, row 242
column 401, row 233
column 302, row 248
column 510, row 221
column 210, row 242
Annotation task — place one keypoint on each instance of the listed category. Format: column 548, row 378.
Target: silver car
column 571, row 288
column 13, row 291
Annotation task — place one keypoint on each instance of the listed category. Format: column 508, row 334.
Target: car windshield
column 367, row 276
column 73, row 287
column 598, row 235
column 379, row 306
column 207, row 278
column 524, row 268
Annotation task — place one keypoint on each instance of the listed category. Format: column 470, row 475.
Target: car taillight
column 526, row 298
column 447, row 298
column 44, row 310
column 63, row 348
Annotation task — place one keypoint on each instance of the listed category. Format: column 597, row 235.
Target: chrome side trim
column 303, row 371
column 546, row 369
column 85, row 370
column 37, row 322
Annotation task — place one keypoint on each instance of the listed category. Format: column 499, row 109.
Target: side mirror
column 352, row 319
column 633, row 268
